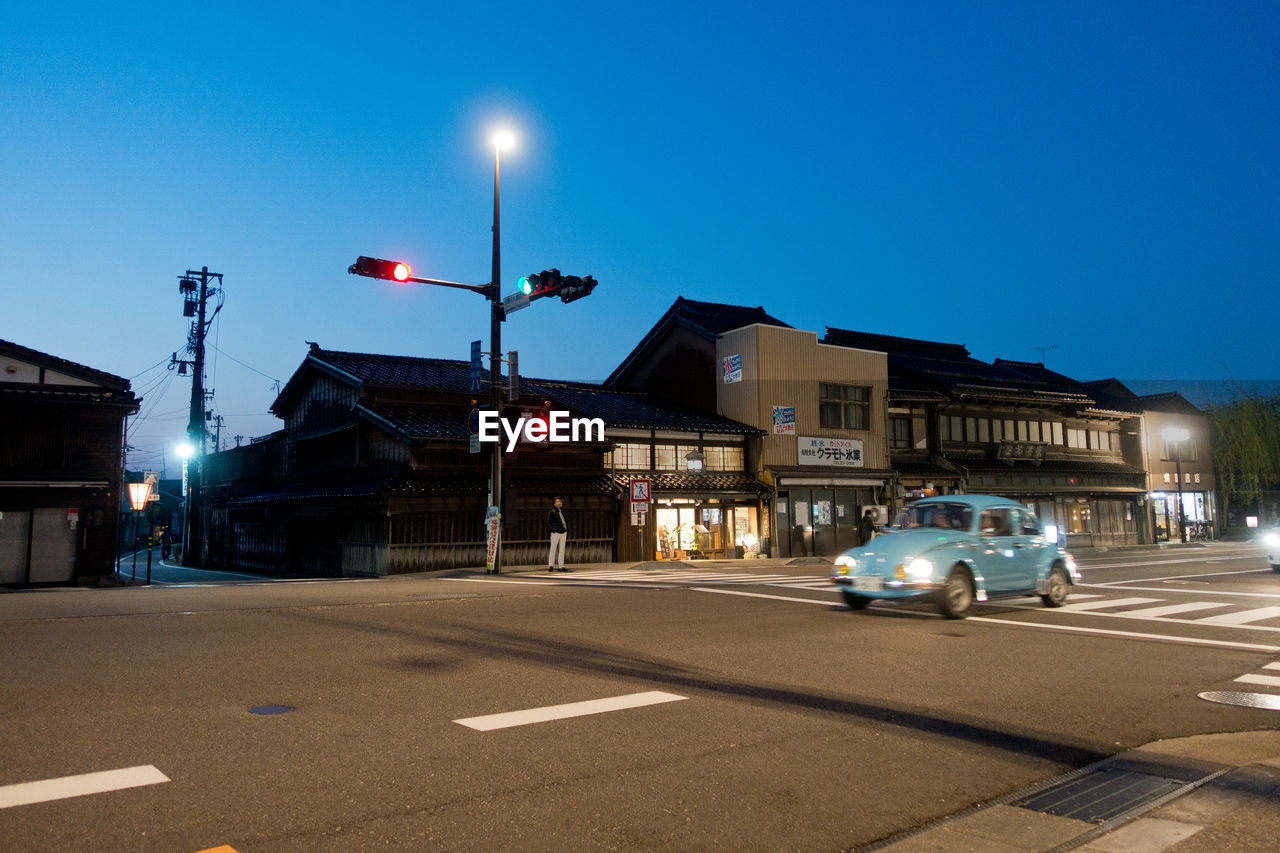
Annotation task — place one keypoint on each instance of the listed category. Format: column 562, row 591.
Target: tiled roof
column 916, row 366
column 633, row 410
column 62, row 365
column 423, row 483
column 1171, row 402
column 707, row 319
column 418, row 420
column 719, row 481
column 621, row 409
column 303, row 492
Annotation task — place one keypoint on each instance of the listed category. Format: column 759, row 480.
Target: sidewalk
column 1200, row 794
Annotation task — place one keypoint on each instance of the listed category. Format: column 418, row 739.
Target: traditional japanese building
column 61, row 436
column 373, row 474
column 1014, row 429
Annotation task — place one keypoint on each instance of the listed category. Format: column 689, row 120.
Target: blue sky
column 1099, row 177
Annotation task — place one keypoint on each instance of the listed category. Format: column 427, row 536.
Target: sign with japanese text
column 477, row 371
column 492, row 531
column 784, row 420
column 732, row 369
column 841, row 452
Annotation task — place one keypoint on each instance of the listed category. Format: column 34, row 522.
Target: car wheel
column 1275, row 567
column 1059, row 588
column 855, row 601
column 957, row 594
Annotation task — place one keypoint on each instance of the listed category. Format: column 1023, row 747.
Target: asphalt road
column 761, row 713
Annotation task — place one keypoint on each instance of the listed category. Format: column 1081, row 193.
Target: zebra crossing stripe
column 1170, row 609
column 1271, row 666
column 1114, row 602
column 1269, row 680
column 1242, row 618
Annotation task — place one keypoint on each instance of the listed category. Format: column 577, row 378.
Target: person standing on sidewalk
column 559, row 533
column 867, row 527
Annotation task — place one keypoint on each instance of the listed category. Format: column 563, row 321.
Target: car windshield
column 951, row 516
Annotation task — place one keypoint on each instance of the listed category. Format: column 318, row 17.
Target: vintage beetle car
column 955, row 550
column 1270, row 539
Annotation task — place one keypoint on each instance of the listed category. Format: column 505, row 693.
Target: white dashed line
column 573, row 709
column 64, row 787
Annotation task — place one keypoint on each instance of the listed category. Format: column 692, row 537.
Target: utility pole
column 196, row 291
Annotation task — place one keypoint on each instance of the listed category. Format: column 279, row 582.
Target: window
column 899, row 433
column 631, row 457
column 996, row 435
column 1187, row 449
column 1057, row 434
column 984, row 430
column 1075, row 438
column 724, row 458
column 664, row 457
column 1033, row 430
column 844, row 406
column 957, row 428
column 971, row 429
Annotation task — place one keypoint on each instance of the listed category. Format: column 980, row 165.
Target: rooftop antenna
column 1043, row 350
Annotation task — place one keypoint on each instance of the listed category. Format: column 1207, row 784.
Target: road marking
column 1170, row 609
column 1269, row 680
column 1088, row 564
column 763, row 595
column 573, row 709
column 1180, row 577
column 1271, row 666
column 1168, row 590
column 1113, row 602
column 45, row 790
column 1132, row 634
column 1243, row 617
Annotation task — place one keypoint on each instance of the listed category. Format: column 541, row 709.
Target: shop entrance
column 699, row 531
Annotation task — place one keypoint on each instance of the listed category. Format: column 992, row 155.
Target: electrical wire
column 242, row 364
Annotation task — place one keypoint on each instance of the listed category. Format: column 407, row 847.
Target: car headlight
column 1271, row 540
column 920, row 568
column 845, row 564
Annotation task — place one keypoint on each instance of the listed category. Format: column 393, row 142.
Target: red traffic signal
column 378, row 268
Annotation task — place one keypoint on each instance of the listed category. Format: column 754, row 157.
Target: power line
column 242, row 364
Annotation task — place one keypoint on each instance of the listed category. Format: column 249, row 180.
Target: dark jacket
column 554, row 523
column 866, row 529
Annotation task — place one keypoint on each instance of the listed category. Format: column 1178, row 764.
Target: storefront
column 818, row 516
column 686, row 528
column 1197, row 514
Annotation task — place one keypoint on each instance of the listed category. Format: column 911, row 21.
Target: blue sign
column 477, row 372
column 784, row 420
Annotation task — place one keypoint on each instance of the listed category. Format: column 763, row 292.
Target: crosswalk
column 680, row 577
column 1219, row 613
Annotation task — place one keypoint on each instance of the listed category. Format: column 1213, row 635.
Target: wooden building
column 61, row 435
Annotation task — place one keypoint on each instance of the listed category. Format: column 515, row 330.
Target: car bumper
column 893, row 587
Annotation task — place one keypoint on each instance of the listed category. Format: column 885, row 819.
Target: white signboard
column 840, row 452
column 784, row 420
column 732, row 369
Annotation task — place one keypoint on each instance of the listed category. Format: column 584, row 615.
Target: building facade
column 61, row 437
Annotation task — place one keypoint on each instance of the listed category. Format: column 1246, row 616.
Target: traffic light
column 572, row 287
column 538, row 285
column 378, row 268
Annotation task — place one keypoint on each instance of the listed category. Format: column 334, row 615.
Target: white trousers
column 555, row 558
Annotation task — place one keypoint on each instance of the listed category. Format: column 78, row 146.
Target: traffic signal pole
column 496, row 315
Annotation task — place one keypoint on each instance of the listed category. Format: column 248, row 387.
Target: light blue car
column 954, row 550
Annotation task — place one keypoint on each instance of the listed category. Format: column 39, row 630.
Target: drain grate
column 1265, row 701
column 1101, row 795
column 271, row 709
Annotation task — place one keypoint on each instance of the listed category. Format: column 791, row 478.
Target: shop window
column 844, row 406
column 631, row 457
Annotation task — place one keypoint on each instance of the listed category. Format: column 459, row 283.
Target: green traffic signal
column 524, row 285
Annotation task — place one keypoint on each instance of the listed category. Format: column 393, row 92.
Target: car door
column 996, row 557
column 1028, row 549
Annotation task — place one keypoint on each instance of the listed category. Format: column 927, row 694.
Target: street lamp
column 1175, row 436
column 502, row 140
column 139, row 495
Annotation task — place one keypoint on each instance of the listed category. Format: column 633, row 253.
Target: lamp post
column 1175, row 436
column 501, row 140
column 139, row 495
